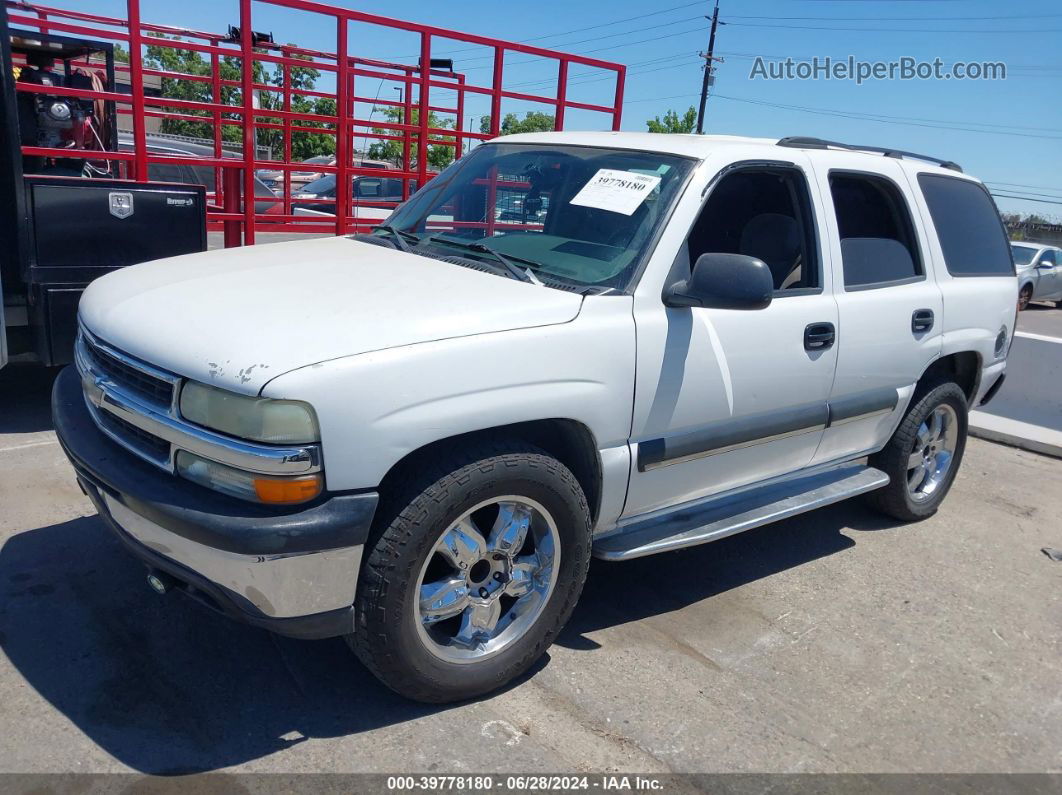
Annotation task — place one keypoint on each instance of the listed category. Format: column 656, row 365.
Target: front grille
column 147, row 444
column 142, row 384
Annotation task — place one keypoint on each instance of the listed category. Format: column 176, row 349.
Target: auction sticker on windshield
column 616, row 191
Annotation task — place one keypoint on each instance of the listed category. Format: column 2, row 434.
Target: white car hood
column 240, row 317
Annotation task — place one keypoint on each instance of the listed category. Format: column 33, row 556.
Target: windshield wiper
column 508, row 261
column 400, row 236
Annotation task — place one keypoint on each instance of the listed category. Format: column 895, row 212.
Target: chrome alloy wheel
column 479, row 593
column 934, row 450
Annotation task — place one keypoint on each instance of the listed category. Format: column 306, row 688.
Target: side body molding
column 731, row 434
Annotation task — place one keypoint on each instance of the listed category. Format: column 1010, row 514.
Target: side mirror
column 724, row 281
column 1046, row 265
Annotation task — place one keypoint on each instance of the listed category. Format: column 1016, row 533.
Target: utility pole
column 709, row 66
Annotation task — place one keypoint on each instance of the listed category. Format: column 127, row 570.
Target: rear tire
column 923, row 455
column 477, row 570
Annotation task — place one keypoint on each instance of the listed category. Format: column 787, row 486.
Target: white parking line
column 1042, row 337
column 28, row 445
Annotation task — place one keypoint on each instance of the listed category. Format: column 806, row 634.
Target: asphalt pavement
column 837, row 641
column 1027, row 410
column 834, row 641
column 1033, row 389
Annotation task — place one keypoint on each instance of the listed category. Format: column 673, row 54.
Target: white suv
column 416, row 439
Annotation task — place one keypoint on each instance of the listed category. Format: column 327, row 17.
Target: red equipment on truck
column 94, row 120
column 352, row 72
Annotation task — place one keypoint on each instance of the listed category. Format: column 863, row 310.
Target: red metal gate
column 413, row 131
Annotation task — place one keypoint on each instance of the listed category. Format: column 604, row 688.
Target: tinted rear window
column 878, row 245
column 968, row 225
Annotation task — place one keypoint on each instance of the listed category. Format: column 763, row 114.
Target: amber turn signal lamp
column 286, row 491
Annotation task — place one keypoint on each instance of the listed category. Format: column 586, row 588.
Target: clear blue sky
column 1007, row 131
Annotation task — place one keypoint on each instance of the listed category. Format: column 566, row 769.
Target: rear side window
column 878, row 245
column 1023, row 255
column 968, row 226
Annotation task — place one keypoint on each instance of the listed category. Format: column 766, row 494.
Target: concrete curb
column 1024, row 435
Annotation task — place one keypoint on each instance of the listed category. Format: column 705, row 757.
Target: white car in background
column 1039, row 269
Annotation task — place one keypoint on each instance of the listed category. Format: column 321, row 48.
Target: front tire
column 1024, row 297
column 479, row 567
column 923, row 455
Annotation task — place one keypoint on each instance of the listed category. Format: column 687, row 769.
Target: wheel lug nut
column 499, row 556
column 483, row 593
column 498, row 576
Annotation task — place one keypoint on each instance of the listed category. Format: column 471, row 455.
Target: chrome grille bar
column 146, row 426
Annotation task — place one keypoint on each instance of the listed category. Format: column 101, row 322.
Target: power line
column 1025, row 199
column 1019, row 185
column 883, row 119
column 613, row 22
column 658, row 99
column 946, row 121
column 992, row 31
column 851, row 115
column 597, row 38
column 574, row 30
column 868, row 57
column 593, row 77
column 597, row 49
column 1041, row 195
column 897, row 19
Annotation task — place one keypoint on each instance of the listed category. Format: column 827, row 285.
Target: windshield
column 572, row 214
column 1023, row 255
column 323, row 185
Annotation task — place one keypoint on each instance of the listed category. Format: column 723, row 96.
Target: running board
column 686, row 527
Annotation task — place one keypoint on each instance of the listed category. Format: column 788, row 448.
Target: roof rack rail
column 800, row 142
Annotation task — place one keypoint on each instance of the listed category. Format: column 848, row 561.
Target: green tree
column 673, row 123
column 439, row 155
column 303, row 144
column 533, row 121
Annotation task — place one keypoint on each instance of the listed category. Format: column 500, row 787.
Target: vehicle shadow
column 168, row 687
column 162, row 684
column 25, row 398
column 618, row 593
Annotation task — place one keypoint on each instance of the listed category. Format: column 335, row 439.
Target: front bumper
column 293, row 571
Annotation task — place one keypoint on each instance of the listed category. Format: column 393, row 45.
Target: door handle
column 921, row 320
column 819, row 336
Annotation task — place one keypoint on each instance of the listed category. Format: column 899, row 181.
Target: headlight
column 248, row 485
column 259, row 419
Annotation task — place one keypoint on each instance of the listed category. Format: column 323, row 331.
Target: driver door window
column 764, row 214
